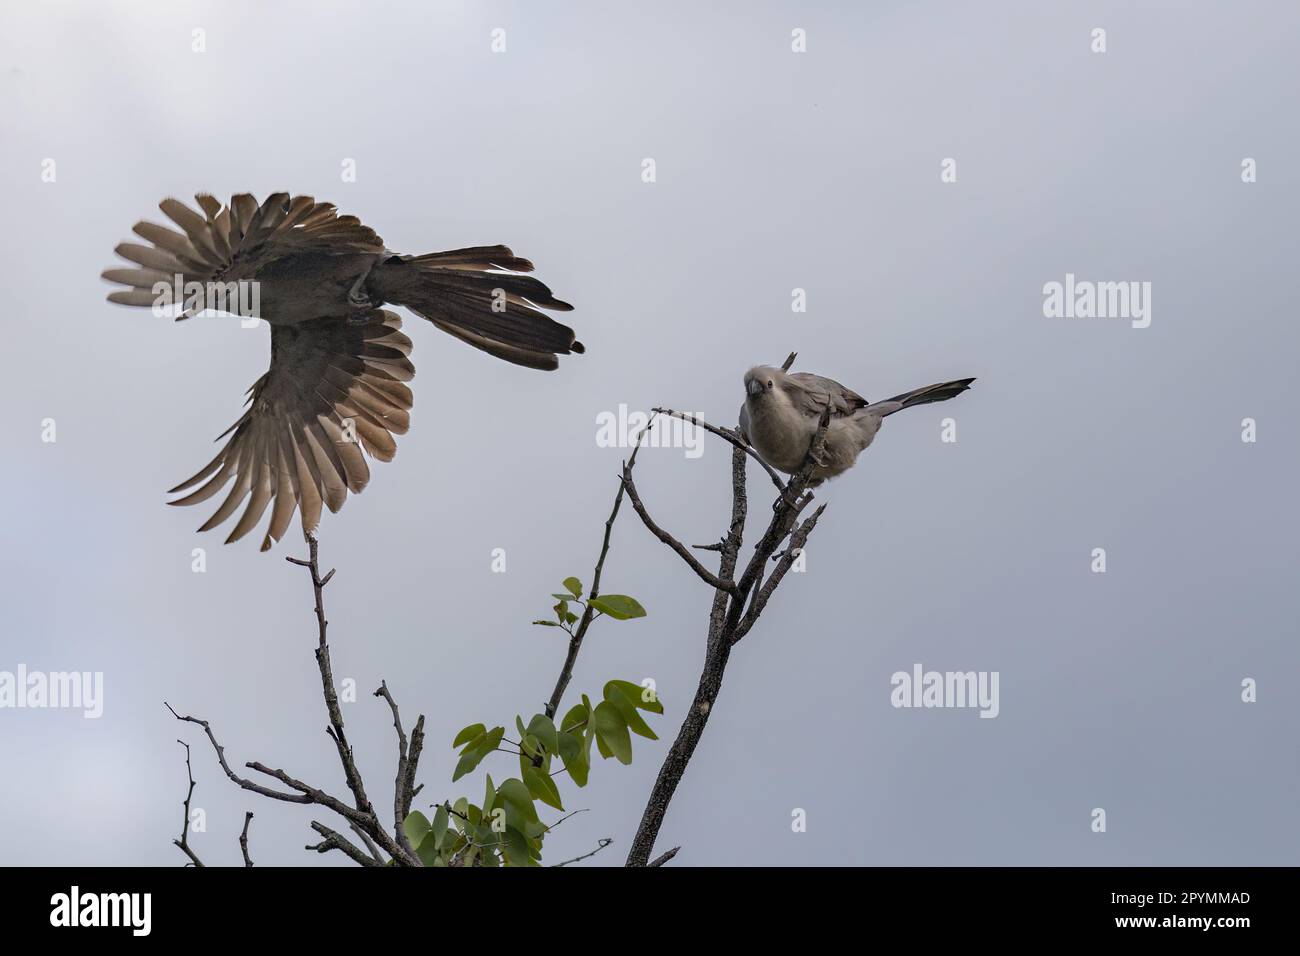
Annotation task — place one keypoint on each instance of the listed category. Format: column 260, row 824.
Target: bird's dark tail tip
column 932, row 393
column 470, row 294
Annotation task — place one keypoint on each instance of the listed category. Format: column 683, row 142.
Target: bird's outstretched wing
column 333, row 390
column 232, row 242
column 811, row 393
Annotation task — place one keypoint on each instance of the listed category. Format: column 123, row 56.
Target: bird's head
column 761, row 379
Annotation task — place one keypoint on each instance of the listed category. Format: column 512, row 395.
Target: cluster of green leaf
column 618, row 606
column 506, row 827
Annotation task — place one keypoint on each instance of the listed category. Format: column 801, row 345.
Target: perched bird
column 782, row 412
column 338, row 360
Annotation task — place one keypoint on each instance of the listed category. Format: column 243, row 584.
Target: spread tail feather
column 465, row 294
column 921, row 396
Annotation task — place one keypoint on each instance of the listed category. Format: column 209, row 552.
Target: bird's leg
column 785, row 499
column 359, row 301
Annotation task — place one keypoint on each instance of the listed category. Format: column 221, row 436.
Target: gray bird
column 338, row 360
column 782, row 411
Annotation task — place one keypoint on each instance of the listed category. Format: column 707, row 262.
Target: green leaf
column 543, row 729
column 577, row 714
column 627, row 710
column 438, row 829
column 571, row 752
column 476, row 750
column 516, row 848
column 590, row 732
column 579, row 766
column 541, row 786
column 518, row 801
column 416, row 825
column 535, row 832
column 468, row 734
column 611, row 730
column 574, row 586
column 427, row 850
column 570, row 745
column 546, row 623
column 489, row 797
column 618, row 606
column 642, row 697
column 461, row 807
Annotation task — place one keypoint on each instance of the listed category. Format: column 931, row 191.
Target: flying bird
column 339, row 361
column 783, row 410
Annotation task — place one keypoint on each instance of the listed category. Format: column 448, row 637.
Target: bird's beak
column 754, row 387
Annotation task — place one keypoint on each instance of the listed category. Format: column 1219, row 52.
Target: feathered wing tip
column 217, row 242
column 467, row 293
column 333, row 391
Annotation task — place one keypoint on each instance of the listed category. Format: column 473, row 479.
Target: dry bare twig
column 360, row 814
column 243, row 838
column 184, row 841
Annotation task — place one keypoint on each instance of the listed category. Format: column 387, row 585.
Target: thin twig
column 184, row 841
column 707, row 576
column 575, row 642
column 369, row 843
column 336, row 841
column 221, row 759
column 604, row 842
column 243, row 838
column 761, row 595
column 664, row 857
column 335, row 730
column 573, row 813
column 361, row 816
column 406, row 761
column 728, row 435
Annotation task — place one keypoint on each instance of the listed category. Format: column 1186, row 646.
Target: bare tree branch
column 728, row 619
column 184, row 841
column 575, row 642
column 335, row 731
column 405, row 781
column 243, row 838
column 664, row 858
column 361, row 816
column 761, row 595
column 726, row 434
column 221, row 759
column 336, row 841
column 369, row 843
column 707, row 576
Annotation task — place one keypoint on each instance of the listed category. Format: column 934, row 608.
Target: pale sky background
column 775, row 171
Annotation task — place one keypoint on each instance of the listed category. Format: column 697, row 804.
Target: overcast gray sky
column 775, row 171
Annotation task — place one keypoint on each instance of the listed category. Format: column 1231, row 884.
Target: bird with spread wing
column 339, row 361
